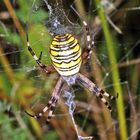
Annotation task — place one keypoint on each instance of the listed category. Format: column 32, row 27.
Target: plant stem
column 115, row 72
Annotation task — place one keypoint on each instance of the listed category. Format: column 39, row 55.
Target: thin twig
column 129, row 63
column 6, row 66
column 15, row 19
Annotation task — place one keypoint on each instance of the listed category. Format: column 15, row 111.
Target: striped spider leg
column 86, row 55
column 52, row 102
column 94, row 88
column 90, row 43
column 47, row 69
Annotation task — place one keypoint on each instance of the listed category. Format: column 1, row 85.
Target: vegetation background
column 114, row 66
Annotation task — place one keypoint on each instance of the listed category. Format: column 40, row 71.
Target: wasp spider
column 67, row 56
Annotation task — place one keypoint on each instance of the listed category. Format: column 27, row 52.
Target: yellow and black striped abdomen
column 65, row 53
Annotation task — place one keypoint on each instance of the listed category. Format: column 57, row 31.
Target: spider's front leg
column 45, row 68
column 93, row 88
column 90, row 43
column 52, row 102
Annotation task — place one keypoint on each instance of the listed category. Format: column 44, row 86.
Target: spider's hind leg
column 95, row 89
column 52, row 102
column 50, row 108
column 100, row 95
column 108, row 95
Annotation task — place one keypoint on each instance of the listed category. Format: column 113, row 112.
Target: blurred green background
column 114, row 66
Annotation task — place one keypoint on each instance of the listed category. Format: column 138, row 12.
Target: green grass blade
column 115, row 72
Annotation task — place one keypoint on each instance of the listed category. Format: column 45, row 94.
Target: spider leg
column 40, row 56
column 108, row 95
column 90, row 43
column 56, row 94
column 46, row 69
column 52, row 102
column 93, row 88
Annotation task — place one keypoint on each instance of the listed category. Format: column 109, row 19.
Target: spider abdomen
column 65, row 53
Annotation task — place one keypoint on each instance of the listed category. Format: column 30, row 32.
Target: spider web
column 130, row 56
